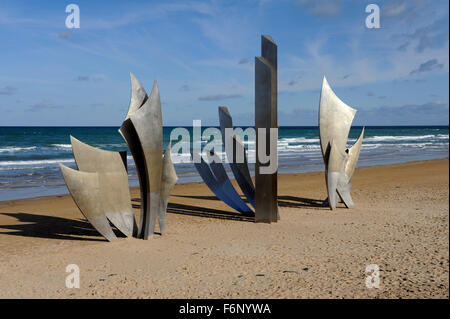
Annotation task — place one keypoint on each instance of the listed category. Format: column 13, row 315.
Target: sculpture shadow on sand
column 52, row 227
column 201, row 211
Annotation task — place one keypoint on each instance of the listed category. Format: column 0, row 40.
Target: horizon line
column 280, row 126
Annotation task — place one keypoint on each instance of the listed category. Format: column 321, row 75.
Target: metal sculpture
column 240, row 170
column 85, row 190
column 142, row 131
column 100, row 188
column 263, row 197
column 113, row 179
column 266, row 110
column 216, row 178
column 335, row 120
column 169, row 179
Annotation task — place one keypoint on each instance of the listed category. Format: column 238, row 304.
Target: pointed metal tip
column 326, row 85
column 224, row 109
column 267, row 37
column 155, row 88
column 134, row 80
column 66, row 169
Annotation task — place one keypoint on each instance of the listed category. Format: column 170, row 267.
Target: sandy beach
column 400, row 222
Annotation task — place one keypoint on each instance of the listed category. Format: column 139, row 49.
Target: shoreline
column 400, row 222
column 136, row 188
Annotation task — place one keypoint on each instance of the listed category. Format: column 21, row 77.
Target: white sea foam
column 13, row 149
column 35, row 162
column 298, row 147
column 7, row 168
column 293, row 140
column 400, row 138
column 63, row 146
column 288, row 146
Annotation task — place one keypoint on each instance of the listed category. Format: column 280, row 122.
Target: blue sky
column 202, row 53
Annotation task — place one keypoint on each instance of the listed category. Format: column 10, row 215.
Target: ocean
column 29, row 156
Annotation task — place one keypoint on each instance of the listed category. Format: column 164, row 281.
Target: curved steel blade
column 113, row 182
column 220, row 185
column 85, row 190
column 240, row 171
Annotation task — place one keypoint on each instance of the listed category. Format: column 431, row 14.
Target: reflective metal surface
column 266, row 111
column 113, row 182
column 84, row 187
column 335, row 120
column 142, row 131
column 169, row 179
column 240, row 171
column 215, row 177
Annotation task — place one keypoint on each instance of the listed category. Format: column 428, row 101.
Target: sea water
column 29, row 156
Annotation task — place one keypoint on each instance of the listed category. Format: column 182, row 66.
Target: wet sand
column 400, row 222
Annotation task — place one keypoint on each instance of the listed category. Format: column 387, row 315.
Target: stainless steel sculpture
column 266, row 110
column 100, row 188
column 113, row 181
column 216, row 178
column 142, row 131
column 335, row 120
column 240, row 170
column 85, row 190
column 264, row 196
column 169, row 179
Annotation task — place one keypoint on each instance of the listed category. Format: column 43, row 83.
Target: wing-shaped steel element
column 113, row 181
column 215, row 177
column 131, row 137
column 344, row 184
column 143, row 133
column 85, row 190
column 335, row 120
column 127, row 130
column 353, row 156
column 138, row 96
column 336, row 180
column 169, row 179
column 240, row 171
column 222, row 178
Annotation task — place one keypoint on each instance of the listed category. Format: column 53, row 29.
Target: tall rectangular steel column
column 266, row 111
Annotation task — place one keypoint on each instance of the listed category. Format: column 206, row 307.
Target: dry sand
column 400, row 222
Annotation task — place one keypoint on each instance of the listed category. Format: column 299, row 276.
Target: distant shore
column 400, row 222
